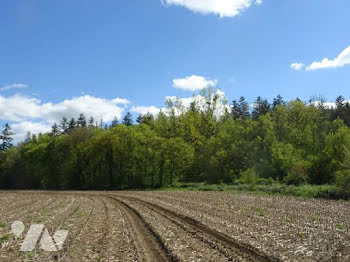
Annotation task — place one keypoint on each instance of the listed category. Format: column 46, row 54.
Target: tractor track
column 232, row 249
column 149, row 245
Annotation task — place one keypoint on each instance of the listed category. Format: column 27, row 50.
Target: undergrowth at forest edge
column 306, row 191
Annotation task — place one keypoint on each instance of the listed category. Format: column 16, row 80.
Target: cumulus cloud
column 13, row 86
column 20, row 108
column 143, row 110
column 297, row 66
column 21, row 129
column 341, row 60
column 31, row 114
column 193, row 83
column 223, row 8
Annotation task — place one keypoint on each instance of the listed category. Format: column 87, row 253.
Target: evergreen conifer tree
column 6, row 137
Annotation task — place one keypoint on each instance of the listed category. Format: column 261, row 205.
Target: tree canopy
column 292, row 142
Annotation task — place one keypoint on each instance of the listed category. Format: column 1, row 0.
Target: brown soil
column 177, row 226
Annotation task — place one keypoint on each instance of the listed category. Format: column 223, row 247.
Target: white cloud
column 193, row 83
column 20, row 108
column 30, row 114
column 223, row 8
column 297, row 66
column 143, row 110
column 13, row 86
column 21, row 129
column 89, row 105
column 342, row 59
column 121, row 101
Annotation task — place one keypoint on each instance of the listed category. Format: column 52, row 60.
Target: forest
column 209, row 141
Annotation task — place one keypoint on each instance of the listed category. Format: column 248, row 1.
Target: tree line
column 292, row 142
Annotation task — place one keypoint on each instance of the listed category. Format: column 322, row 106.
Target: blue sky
column 62, row 56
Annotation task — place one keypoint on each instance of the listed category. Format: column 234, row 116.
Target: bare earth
column 177, row 226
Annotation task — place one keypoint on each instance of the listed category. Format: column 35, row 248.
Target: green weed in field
column 302, row 234
column 340, row 226
column 30, row 255
column 260, row 211
column 314, row 218
column 289, row 220
column 5, row 238
column 79, row 215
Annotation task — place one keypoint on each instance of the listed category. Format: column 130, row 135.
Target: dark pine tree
column 28, row 137
column 235, row 110
column 64, row 125
column 240, row 109
column 128, row 119
column 139, row 119
column 244, row 108
column 81, row 121
column 91, row 122
column 72, row 124
column 261, row 107
column 114, row 122
column 55, row 130
column 277, row 101
column 6, row 137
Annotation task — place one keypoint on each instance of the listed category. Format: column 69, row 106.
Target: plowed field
column 177, row 226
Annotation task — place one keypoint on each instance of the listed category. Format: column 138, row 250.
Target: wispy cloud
column 223, row 8
column 193, row 83
column 13, row 86
column 341, row 60
column 297, row 66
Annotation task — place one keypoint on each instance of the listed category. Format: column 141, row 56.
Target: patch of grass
column 340, row 226
column 79, row 215
column 289, row 220
column 314, row 218
column 30, row 255
column 304, row 191
column 63, row 205
column 5, row 238
column 66, row 227
column 261, row 212
column 302, row 234
column 35, row 219
column 2, row 225
column 46, row 213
